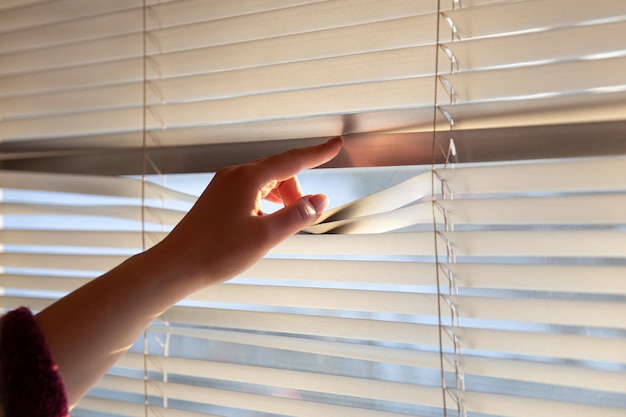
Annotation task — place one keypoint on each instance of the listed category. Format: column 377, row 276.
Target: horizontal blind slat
column 367, row 352
column 263, row 403
column 386, row 35
column 504, row 341
column 164, row 217
column 375, row 96
column 555, row 243
column 542, row 373
column 179, row 13
column 383, row 96
column 92, row 238
column 512, row 369
column 563, row 210
column 533, row 48
column 100, row 51
column 97, row 185
column 329, row 271
column 282, row 378
column 552, row 345
column 357, row 271
column 606, row 279
column 43, row 13
column 589, row 279
column 550, row 79
column 132, row 409
column 611, row 381
column 573, row 210
column 239, row 400
column 584, row 175
column 511, row 406
column 41, row 282
column 72, row 31
column 324, row 326
column 595, row 175
column 83, row 76
column 51, row 261
column 512, row 17
column 320, row 298
column 551, row 311
column 292, row 21
column 114, row 407
column 11, row 4
column 345, row 70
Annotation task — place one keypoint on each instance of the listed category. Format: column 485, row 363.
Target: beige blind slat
column 536, row 47
column 76, row 30
column 47, row 12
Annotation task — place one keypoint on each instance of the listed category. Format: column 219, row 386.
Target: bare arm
column 222, row 235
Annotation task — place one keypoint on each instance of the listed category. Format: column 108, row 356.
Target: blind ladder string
column 434, row 216
column 143, row 188
column 450, row 157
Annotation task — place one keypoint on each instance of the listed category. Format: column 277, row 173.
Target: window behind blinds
column 472, row 264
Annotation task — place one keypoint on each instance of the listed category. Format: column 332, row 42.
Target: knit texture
column 30, row 385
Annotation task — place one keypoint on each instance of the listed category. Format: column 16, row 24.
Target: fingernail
column 319, row 203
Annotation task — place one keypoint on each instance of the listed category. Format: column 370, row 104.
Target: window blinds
column 487, row 281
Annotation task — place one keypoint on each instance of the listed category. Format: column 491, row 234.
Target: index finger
column 285, row 165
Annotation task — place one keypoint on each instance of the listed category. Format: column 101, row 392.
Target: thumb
column 296, row 216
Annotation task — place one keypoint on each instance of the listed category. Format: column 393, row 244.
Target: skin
column 223, row 234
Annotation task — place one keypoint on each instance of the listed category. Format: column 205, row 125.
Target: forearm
column 88, row 330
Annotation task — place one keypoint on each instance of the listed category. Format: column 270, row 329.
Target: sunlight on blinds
column 473, row 260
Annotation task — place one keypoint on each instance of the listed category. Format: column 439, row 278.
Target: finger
column 296, row 216
column 289, row 190
column 274, row 197
column 287, row 164
column 285, row 192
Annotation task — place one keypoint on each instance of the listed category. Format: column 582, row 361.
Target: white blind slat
column 61, row 261
column 362, row 329
column 330, row 384
column 164, row 217
column 246, row 401
column 371, row 353
column 512, row 406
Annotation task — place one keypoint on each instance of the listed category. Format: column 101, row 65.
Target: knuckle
column 305, row 211
column 235, row 173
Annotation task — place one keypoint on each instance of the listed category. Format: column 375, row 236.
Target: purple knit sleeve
column 30, row 385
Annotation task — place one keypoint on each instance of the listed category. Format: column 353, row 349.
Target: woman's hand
column 226, row 232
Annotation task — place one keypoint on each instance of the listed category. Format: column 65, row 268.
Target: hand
column 226, row 232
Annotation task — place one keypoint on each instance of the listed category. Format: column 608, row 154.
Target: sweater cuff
column 30, row 384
